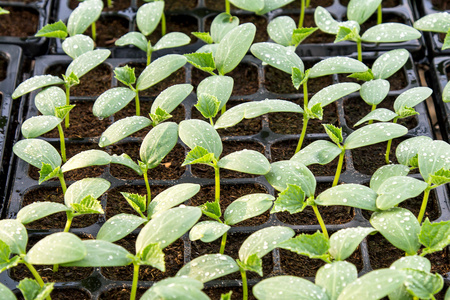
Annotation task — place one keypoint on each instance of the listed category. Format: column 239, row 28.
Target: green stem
column 244, row 284
column 149, row 53
column 138, row 106
column 222, row 244
column 163, row 24
column 36, row 276
column 94, row 31
column 319, row 218
column 67, row 103
column 147, row 186
column 135, row 281
column 63, row 183
column 423, row 208
column 302, row 14
column 374, row 106
column 305, row 117
column 389, row 144
column 359, row 47
column 379, row 15
column 224, row 109
column 62, row 143
column 339, row 168
column 227, row 6
column 217, row 183
column 211, row 122
column 68, row 222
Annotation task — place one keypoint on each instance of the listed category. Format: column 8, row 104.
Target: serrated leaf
column 118, row 227
column 204, row 36
column 112, row 101
column 76, row 45
column 347, row 34
column 39, row 210
column 199, row 133
column 83, row 16
column 62, row 111
column 361, row 10
column 291, row 199
column 37, row 152
column 318, row 152
column 35, row 83
column 126, row 160
column 14, row 234
column 422, row 284
column 209, row 267
column 441, row 176
column 247, row 207
column 390, row 33
column 389, row 63
column 397, row 189
column 47, row 100
column 335, row 277
column 89, row 205
column 253, row 264
column 71, row 80
column 46, row 173
column 125, row 74
column 38, row 125
column 54, row 30
column 364, row 76
column 159, row 70
column 373, row 134
column 386, row 172
column 335, row 133
column 315, row 112
column 198, row 155
column 153, row 255
column 6, row 261
column 408, row 149
column 375, row 91
column 202, row 61
column 297, row 77
column 280, row 57
column 246, row 161
column 212, row 210
column 121, row 129
column 86, row 159
column 344, row 242
column 379, row 114
column 31, row 290
column 446, row 43
column 134, row 38
column 219, row 86
column 158, row 143
column 337, row 65
column 312, row 245
column 221, row 25
column 171, row 197
column 280, row 30
column 437, row 22
column 400, row 227
column 434, row 157
column 354, row 195
column 136, row 201
column 159, row 116
column 405, row 112
column 434, row 236
column 300, row 34
column 226, row 296
column 172, row 40
column 332, row 93
column 171, row 97
column 208, row 231
column 207, row 105
column 148, row 16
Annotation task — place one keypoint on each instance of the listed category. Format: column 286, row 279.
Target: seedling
column 283, row 30
column 438, row 22
column 117, row 98
column 146, row 26
column 349, row 31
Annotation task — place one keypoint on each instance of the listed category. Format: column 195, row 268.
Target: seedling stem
column 223, row 243
column 319, row 218
column 36, row 275
column 339, row 167
column 379, row 15
column 389, row 144
column 227, row 6
column 135, row 281
column 163, row 24
column 244, row 284
column 305, row 118
column 62, row 142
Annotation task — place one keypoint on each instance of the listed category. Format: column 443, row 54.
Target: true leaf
column 434, row 236
column 246, row 161
column 374, row 91
column 62, row 111
column 361, row 10
column 159, row 116
column 364, row 76
column 446, row 43
column 6, row 260
column 38, row 125
column 47, row 172
column 247, row 207
column 291, row 199
column 35, row 83
column 153, row 255
column 125, row 75
column 136, row 201
column 280, row 57
column 86, row 159
column 379, row 114
column 335, row 277
column 204, row 36
column 171, row 197
column 14, row 234
column 335, row 133
column 54, row 30
column 198, row 155
column 318, row 152
column 134, row 38
column 172, row 40
column 171, row 97
column 433, row 157
column 212, row 210
column 207, row 105
column 221, row 25
column 121, row 129
column 86, row 13
column 88, row 205
column 344, row 242
column 390, row 33
column 312, row 245
column 199, row 133
column 280, row 30
column 148, row 16
column 354, row 195
column 347, row 34
column 423, row 284
column 388, row 63
column 39, row 210
column 374, row 133
column 49, row 99
column 118, row 227
column 386, row 172
column 332, row 93
column 408, row 149
column 202, row 61
column 208, row 231
column 220, row 87
column 397, row 189
column 440, row 177
column 76, row 45
column 300, row 34
column 158, row 143
column 31, row 290
column 209, row 267
column 336, row 65
column 298, row 78
column 37, row 152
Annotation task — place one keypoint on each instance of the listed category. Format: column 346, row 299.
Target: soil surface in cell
column 175, row 4
column 121, row 294
column 3, row 68
column 13, row 24
column 116, row 5
column 176, row 23
column 441, row 4
column 108, row 30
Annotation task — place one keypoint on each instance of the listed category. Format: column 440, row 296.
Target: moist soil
column 259, row 21
column 120, row 294
column 218, row 5
column 386, row 3
column 387, row 18
column 66, row 294
column 176, row 23
column 215, row 293
column 175, row 4
column 313, row 4
column 201, row 170
column 13, row 24
column 441, row 4
column 109, row 29
column 3, row 68
column 245, row 78
column 229, row 193
column 117, row 5
column 173, row 257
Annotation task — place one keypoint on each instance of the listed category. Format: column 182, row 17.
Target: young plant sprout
column 82, row 64
column 3, row 11
column 283, row 30
column 439, row 22
column 117, row 98
column 286, row 60
column 350, row 31
column 259, row 7
column 146, row 26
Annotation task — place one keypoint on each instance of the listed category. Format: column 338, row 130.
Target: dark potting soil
column 20, row 22
column 313, row 4
column 356, row 109
column 201, row 170
column 215, row 293
column 299, row 265
column 82, row 123
column 175, row 4
column 3, row 68
column 174, row 259
column 116, row 5
column 218, row 5
column 387, row 18
column 109, row 29
column 291, row 123
column 170, row 167
column 245, row 78
column 386, row 3
column 58, row 220
column 94, row 83
column 234, row 243
column 397, row 81
column 441, row 4
column 176, row 23
column 121, row 294
column 229, row 193
column 318, row 37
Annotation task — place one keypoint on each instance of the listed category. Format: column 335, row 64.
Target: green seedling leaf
column 37, row 152
column 400, row 227
column 408, row 150
column 171, row 197
column 121, row 129
column 204, row 36
column 387, row 281
column 354, row 195
column 318, row 152
column 172, row 40
column 6, row 261
column 126, row 160
column 344, row 242
column 62, row 111
column 423, row 284
column 253, row 6
column 233, row 47
column 335, row 133
column 246, row 161
column 290, row 287
column 154, row 256
column 446, row 43
column 390, row 33
column 86, row 62
column 247, row 207
column 202, row 61
column 77, row 45
column 119, row 226
column 198, row 155
column 374, row 91
column 298, row 78
column 373, row 134
column 71, row 80
column 291, row 199
column 272, row 5
column 390, row 62
column 254, row 109
column 49, row 99
column 102, row 254
column 361, row 10
column 280, row 30
column 397, row 189
column 158, row 143
column 212, row 210
column 440, row 177
column 14, row 234
column 262, row 242
column 405, row 112
column 379, row 114
column 112, row 101
column 221, row 25
column 39, row 210
column 6, row 293
column 136, row 201
column 226, row 296
column 412, row 262
column 347, row 34
column 207, row 105
column 47, row 173
column 134, row 38
column 208, row 231
column 209, row 267
column 4, row 11
column 31, row 290
column 125, row 75
column 35, row 83
column 438, row 22
column 86, row 159
column 312, row 245
column 55, row 30
column 167, row 227
column 412, row 97
column 159, row 70
column 337, row 65
column 159, row 116
column 434, row 237
column 332, row 93
column 386, row 172
column 200, row 133
column 283, row 173
column 335, row 277
column 364, row 76
column 38, row 125
column 67, row 247
column 171, row 97
column 148, row 16
column 88, row 205
column 326, row 23
column 316, row 112
column 220, row 87
column 300, row 34
column 433, row 157
column 176, row 288
column 280, row 57
column 86, row 13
